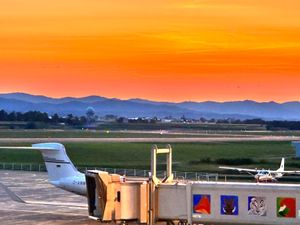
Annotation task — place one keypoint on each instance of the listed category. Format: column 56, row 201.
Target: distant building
column 166, row 120
column 296, row 144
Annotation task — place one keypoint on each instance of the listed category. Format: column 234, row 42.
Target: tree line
column 270, row 125
column 36, row 116
column 32, row 117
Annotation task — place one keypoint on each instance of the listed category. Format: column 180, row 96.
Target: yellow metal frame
column 154, row 152
column 155, row 181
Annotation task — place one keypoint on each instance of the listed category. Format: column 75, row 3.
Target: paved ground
column 27, row 198
column 156, row 140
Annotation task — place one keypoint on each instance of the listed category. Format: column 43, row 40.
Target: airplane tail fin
column 281, row 168
column 56, row 160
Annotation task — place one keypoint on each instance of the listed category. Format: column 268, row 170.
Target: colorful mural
column 229, row 205
column 257, row 206
column 286, row 207
column 201, row 204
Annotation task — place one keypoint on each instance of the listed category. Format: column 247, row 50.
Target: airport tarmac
column 27, row 198
column 154, row 140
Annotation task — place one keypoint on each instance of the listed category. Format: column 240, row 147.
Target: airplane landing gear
column 182, row 222
column 123, row 223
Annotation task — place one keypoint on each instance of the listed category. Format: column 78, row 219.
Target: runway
column 27, row 198
column 154, row 140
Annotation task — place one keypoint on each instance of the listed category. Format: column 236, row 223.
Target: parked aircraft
column 61, row 171
column 262, row 175
column 63, row 174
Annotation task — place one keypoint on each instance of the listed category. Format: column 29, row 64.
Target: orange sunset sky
column 170, row 50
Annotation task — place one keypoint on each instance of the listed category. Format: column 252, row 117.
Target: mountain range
column 22, row 102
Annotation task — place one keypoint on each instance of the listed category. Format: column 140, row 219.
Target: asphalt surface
column 27, row 198
column 156, row 140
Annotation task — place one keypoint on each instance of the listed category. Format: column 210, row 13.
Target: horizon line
column 145, row 99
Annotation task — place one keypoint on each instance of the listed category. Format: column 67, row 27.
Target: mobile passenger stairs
column 111, row 198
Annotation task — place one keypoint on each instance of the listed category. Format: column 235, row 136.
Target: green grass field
column 77, row 134
column 99, row 134
column 145, row 126
column 186, row 156
column 184, row 126
column 20, row 133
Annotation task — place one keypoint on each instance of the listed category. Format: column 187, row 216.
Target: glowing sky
column 156, row 49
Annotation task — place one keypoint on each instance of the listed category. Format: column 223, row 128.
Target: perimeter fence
column 196, row 176
column 127, row 172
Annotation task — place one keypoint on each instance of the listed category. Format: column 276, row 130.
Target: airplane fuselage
column 74, row 184
column 267, row 177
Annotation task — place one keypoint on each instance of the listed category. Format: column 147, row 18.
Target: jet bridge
column 110, row 198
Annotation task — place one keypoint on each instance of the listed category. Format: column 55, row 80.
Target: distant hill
column 43, row 99
column 264, row 110
column 23, row 102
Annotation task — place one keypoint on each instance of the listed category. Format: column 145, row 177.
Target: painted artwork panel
column 257, row 206
column 229, row 205
column 286, row 207
column 202, row 204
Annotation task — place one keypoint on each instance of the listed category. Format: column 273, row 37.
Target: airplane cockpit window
column 264, row 172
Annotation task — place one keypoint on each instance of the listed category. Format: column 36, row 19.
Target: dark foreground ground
column 44, row 204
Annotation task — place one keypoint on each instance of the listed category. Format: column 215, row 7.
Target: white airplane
column 262, row 175
column 61, row 171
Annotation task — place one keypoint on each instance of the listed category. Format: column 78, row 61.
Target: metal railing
column 197, row 176
column 23, row 167
column 128, row 172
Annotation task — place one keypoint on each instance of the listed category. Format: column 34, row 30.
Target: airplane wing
column 239, row 169
column 30, row 148
column 286, row 171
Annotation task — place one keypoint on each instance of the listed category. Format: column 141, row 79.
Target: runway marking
column 18, row 199
column 71, row 204
column 11, row 194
